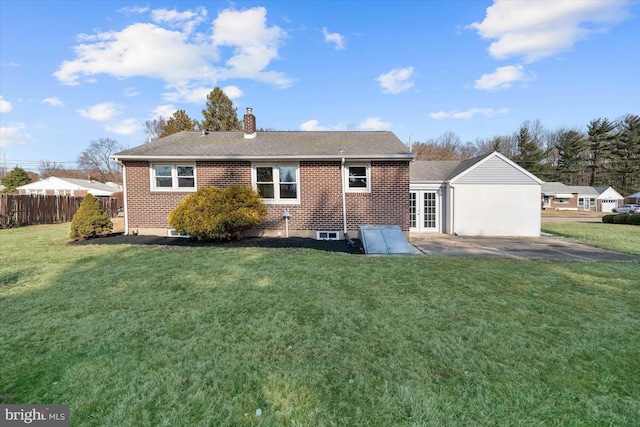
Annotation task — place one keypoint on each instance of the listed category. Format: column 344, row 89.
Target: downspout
column 451, row 208
column 124, row 196
column 344, row 205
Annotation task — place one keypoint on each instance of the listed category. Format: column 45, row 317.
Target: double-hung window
column 173, row 177
column 358, row 178
column 277, row 183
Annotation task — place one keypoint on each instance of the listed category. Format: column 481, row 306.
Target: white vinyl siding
column 495, row 171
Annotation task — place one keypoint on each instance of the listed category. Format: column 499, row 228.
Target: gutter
column 399, row 156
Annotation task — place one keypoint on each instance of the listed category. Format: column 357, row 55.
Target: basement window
column 172, row 232
column 328, row 235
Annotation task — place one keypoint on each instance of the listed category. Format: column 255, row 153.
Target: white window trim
column 174, row 177
column 276, row 184
column 366, row 189
column 327, row 235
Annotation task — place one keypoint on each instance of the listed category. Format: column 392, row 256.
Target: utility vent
column 328, row 235
column 172, row 232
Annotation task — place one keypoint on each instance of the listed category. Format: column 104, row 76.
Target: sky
column 73, row 72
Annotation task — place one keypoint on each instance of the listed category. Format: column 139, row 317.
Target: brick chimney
column 249, row 124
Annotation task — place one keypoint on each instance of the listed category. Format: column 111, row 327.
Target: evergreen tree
column 624, row 162
column 90, row 220
column 570, row 146
column 529, row 155
column 15, row 178
column 600, row 135
column 220, row 114
column 177, row 123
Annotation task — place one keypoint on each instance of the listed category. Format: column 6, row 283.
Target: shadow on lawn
column 252, row 242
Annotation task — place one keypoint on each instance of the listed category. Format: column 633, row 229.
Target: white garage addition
column 485, row 196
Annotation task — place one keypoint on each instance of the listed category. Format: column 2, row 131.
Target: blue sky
column 76, row 71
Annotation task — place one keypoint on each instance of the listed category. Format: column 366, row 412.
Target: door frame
column 417, row 212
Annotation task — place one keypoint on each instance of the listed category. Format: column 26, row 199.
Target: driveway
column 544, row 247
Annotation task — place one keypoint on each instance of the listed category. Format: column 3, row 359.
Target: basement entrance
column 384, row 239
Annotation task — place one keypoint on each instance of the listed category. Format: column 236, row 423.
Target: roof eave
column 399, row 156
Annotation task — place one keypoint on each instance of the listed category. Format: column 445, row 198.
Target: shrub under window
column 212, row 213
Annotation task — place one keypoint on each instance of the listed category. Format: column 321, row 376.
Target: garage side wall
column 496, row 210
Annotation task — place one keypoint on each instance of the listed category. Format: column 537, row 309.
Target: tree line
column 606, row 153
column 95, row 161
column 218, row 115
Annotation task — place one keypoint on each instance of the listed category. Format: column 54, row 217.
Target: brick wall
column 320, row 205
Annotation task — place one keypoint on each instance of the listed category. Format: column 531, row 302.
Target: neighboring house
column 634, row 198
column 488, row 195
column 328, row 183
column 556, row 195
column 54, row 186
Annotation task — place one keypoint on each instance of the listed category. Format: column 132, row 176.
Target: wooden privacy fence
column 16, row 210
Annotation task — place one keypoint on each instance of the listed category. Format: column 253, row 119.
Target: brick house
column 329, row 183
column 556, row 195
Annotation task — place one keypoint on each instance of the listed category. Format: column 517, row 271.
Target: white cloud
column 397, row 80
column 125, row 127
column 129, row 10
column 53, row 101
column 233, row 92
column 537, row 29
column 196, row 95
column 255, row 44
column 312, row 125
column 14, row 134
column 187, row 20
column 165, row 111
column 335, row 38
column 100, row 112
column 502, row 78
column 374, row 123
column 130, row 91
column 241, row 45
column 468, row 114
column 138, row 50
column 5, row 106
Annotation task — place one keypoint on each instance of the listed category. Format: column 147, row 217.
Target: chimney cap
column 249, row 110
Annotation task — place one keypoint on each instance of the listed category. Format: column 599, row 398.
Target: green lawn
column 184, row 336
column 616, row 237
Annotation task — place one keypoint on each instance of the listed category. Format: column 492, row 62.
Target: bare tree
column 154, row 128
column 447, row 146
column 47, row 168
column 96, row 160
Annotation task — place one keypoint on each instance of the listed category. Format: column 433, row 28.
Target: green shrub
column 90, row 220
column 212, row 213
column 608, row 219
column 620, row 219
column 634, row 219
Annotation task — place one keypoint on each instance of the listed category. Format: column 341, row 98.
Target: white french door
column 424, row 210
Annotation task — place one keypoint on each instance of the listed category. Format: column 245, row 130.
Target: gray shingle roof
column 441, row 170
column 559, row 188
column 432, row 170
column 271, row 145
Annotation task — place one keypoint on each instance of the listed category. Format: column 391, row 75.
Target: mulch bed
column 252, row 242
